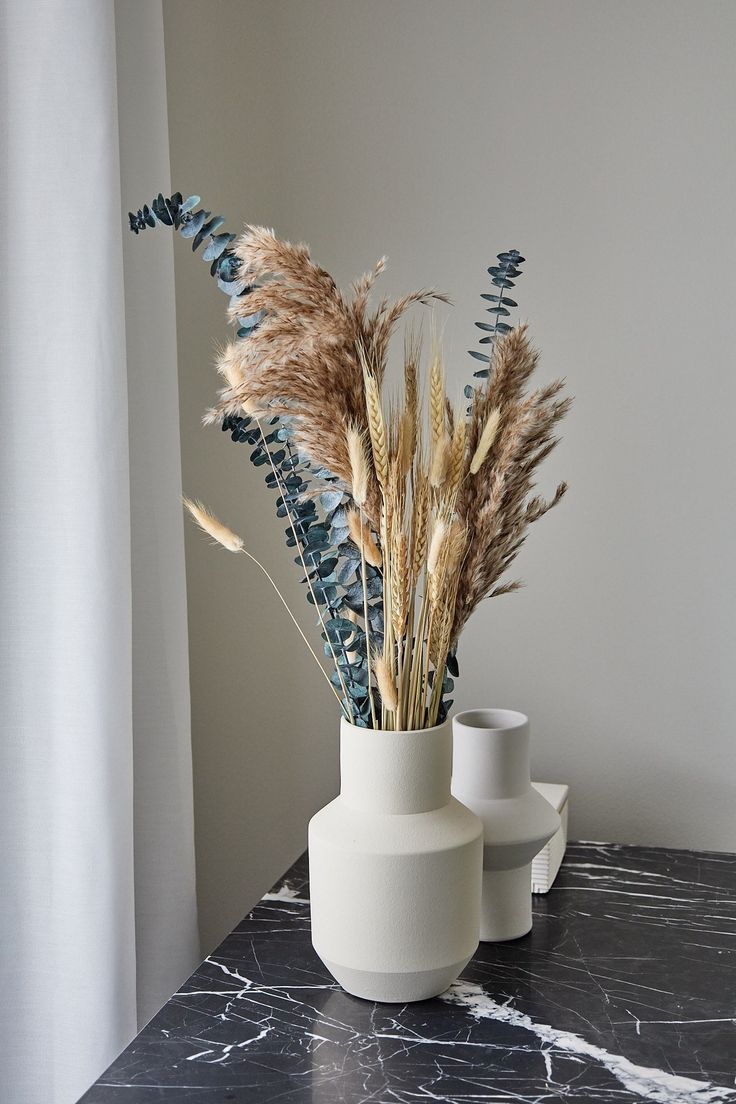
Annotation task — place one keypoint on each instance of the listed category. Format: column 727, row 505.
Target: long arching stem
column 298, row 626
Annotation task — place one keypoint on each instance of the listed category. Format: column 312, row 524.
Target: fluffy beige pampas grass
column 495, row 504
column 304, row 360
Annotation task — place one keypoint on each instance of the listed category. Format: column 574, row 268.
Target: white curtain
column 97, row 904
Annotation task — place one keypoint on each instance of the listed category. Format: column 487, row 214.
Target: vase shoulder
column 346, row 828
column 525, row 819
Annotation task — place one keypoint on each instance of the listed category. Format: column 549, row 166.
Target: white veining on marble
column 652, row 1084
column 285, row 892
column 226, row 1048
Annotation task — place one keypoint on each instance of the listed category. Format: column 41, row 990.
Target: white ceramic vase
column 491, row 776
column 395, row 868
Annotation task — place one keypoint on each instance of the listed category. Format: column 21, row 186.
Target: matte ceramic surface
column 491, row 776
column 622, row 992
column 395, row 867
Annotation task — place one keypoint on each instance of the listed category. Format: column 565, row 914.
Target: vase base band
column 396, row 988
column 506, row 905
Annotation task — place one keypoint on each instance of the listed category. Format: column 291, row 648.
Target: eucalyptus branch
column 282, row 491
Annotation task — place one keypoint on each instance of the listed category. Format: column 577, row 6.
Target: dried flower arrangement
column 402, row 524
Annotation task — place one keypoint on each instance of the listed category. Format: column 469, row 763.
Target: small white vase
column 395, row 868
column 491, row 776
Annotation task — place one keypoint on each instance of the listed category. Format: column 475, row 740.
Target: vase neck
column 395, row 772
column 491, row 754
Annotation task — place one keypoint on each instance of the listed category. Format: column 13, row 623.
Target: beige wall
column 597, row 138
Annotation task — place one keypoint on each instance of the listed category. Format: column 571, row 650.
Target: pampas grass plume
column 228, row 365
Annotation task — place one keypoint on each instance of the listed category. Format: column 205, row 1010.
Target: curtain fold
column 166, row 922
column 97, row 910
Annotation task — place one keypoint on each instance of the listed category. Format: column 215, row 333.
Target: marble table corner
column 625, row 990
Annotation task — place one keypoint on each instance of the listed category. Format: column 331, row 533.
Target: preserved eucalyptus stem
column 282, row 491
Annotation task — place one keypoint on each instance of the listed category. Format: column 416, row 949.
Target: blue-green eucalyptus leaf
column 499, row 299
column 346, row 571
column 330, row 499
column 230, row 287
column 196, row 222
column 338, row 536
column 216, row 246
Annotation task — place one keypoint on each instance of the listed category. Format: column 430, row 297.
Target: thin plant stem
column 404, row 696
column 399, row 684
column 298, row 626
column 365, row 618
column 416, row 667
column 434, row 701
column 425, row 679
column 387, row 618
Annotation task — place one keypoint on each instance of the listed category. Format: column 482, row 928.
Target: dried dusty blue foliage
column 316, row 523
column 317, row 526
column 503, row 277
column 202, row 226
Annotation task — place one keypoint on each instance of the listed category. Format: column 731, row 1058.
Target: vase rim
column 493, row 720
column 346, row 724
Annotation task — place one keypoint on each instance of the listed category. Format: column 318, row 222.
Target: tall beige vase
column 491, row 776
column 395, row 868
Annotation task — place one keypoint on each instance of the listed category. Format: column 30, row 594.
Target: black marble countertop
column 625, row 990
